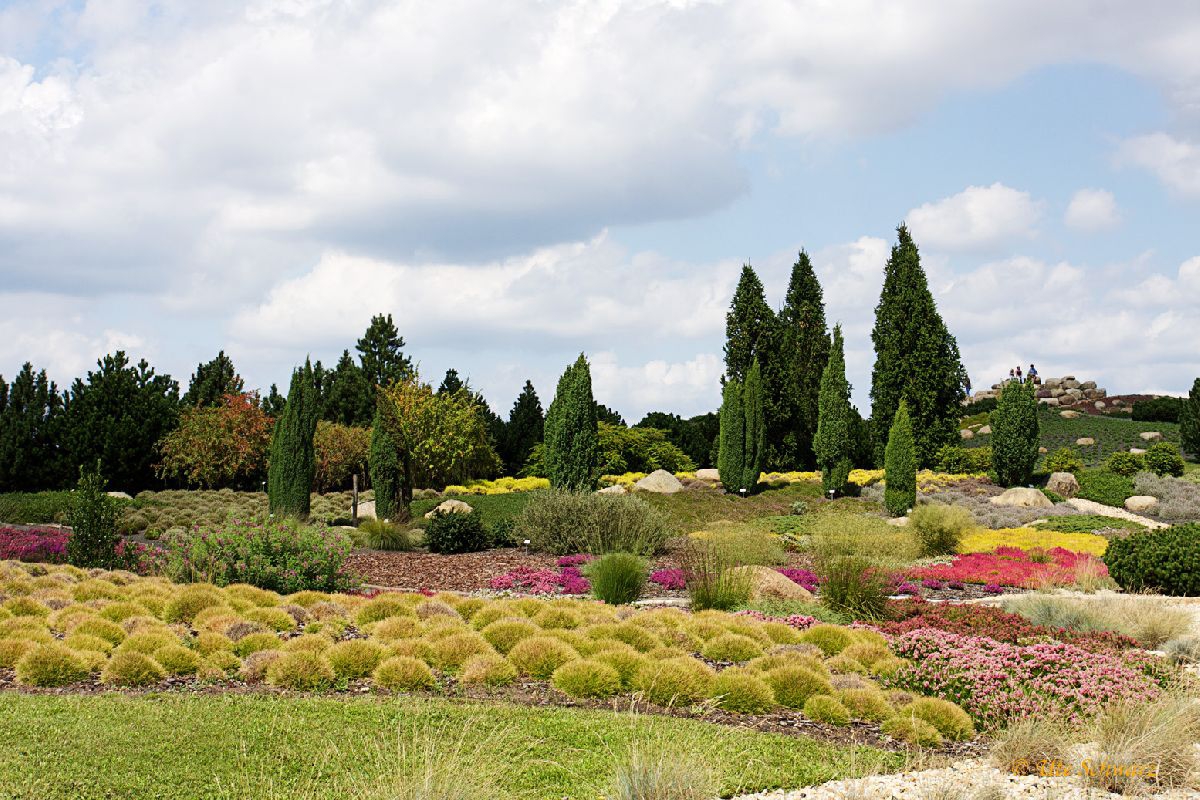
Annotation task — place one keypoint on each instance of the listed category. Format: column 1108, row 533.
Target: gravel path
column 965, row 780
column 1099, row 509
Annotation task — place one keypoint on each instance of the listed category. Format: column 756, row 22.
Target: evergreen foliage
column 803, row 351
column 93, row 520
column 387, row 478
column 753, row 406
column 273, row 404
column 1015, row 434
column 212, row 381
column 524, row 431
column 916, row 358
column 609, row 415
column 833, row 443
column 696, row 437
column 1189, row 422
column 292, row 466
column 450, row 383
column 571, row 432
column 349, row 398
column 749, row 326
column 31, row 420
column 900, row 464
column 732, row 450
column 381, row 353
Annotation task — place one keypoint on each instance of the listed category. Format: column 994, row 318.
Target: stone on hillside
column 1151, row 436
column 1137, row 451
column 1118, row 402
column 120, row 495
column 1022, row 497
column 966, row 434
column 1075, row 393
column 1043, row 450
column 1100, row 405
column 898, row 522
column 1040, row 393
column 767, row 584
column 986, row 430
column 1140, row 503
column 1068, row 378
column 1056, row 392
column 366, row 509
column 450, row 507
column 1070, row 385
column 660, row 482
column 1085, row 441
column 616, row 488
column 1048, row 401
column 1063, row 483
column 1069, row 414
column 1087, row 385
column 708, row 475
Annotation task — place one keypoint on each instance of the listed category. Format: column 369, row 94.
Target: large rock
column 966, row 434
column 660, row 482
column 1070, row 384
column 1100, row 405
column 1151, row 436
column 708, row 474
column 1048, row 401
column 766, row 583
column 120, row 495
column 1140, row 503
column 1063, row 483
column 366, row 509
column 1022, row 497
column 616, row 488
column 450, row 507
column 1137, row 451
column 1043, row 450
column 1087, row 385
column 986, row 430
column 1069, row 414
column 1085, row 441
column 1075, row 393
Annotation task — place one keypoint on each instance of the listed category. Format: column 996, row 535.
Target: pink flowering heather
column 803, row 577
column 528, row 580
column 33, row 544
column 997, row 682
column 670, row 578
column 797, row 621
column 577, row 560
column 1010, row 566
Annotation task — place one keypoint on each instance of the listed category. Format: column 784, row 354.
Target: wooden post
column 354, row 502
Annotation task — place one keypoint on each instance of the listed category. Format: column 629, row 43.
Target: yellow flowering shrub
column 859, row 477
column 628, row 479
column 985, row 541
column 499, row 486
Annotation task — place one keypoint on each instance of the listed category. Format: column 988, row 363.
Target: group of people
column 1031, row 375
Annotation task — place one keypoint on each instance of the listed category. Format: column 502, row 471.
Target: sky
column 520, row 182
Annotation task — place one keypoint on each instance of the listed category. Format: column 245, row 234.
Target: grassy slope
column 216, row 746
column 1111, row 434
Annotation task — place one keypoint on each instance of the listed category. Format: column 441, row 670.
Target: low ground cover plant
column 1012, row 566
column 1178, row 499
column 1088, row 523
column 567, row 579
column 1029, row 539
column 1102, row 486
column 33, row 544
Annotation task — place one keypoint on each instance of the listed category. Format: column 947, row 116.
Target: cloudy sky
column 516, row 182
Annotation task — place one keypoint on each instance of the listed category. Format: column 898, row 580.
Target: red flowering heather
column 34, row 544
column 798, row 621
column 1010, row 566
column 542, row 581
column 670, row 578
column 803, row 577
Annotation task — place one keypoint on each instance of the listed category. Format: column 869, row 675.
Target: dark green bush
column 1064, row 459
column 855, row 586
column 983, row 405
column 956, row 459
column 617, row 578
column 1105, row 487
column 1127, row 464
column 900, row 465
column 504, row 533
column 93, row 519
column 1015, row 435
column 1167, row 561
column 1164, row 458
column 1158, row 409
column 457, row 533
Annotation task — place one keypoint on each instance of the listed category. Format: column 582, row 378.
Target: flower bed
column 1012, row 566
column 33, row 544
column 671, row 578
column 798, row 621
column 567, row 580
column 985, row 541
column 996, row 682
column 498, row 486
column 802, row 577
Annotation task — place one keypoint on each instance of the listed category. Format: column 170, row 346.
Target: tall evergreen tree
column 796, row 379
column 290, row 476
column 387, row 474
column 916, row 358
column 349, row 398
column 900, row 465
column 753, row 406
column 212, row 381
column 609, row 415
column 451, row 383
column 571, row 432
column 525, row 429
column 1016, row 434
column 731, row 454
column 381, row 352
column 1189, row 422
column 832, row 442
column 749, row 327
column 31, row 412
column 273, row 403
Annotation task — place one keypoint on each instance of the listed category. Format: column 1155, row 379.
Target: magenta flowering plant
column 798, row 621
column 933, row 584
column 1012, row 566
column 996, row 682
column 671, row 578
column 284, row 556
column 529, row 580
column 33, row 544
column 577, row 560
column 803, row 577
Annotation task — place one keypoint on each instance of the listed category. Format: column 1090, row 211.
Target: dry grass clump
column 586, row 678
column 121, row 611
column 793, row 685
column 255, row 642
column 147, row 643
column 951, row 721
column 274, row 618
column 177, row 659
column 11, row 651
column 254, row 666
column 743, row 691
column 449, row 653
column 675, row 681
column 1149, row 620
column 301, row 671
column 190, row 601
column 1148, row 746
column 870, row 704
column 132, row 669
column 224, row 661
column 404, row 674
column 642, row 775
column 731, row 647
column 312, row 642
column 351, row 659
column 829, row 710
column 50, row 665
column 505, row 634
column 83, row 641
column 489, row 669
column 539, row 656
column 1021, row 747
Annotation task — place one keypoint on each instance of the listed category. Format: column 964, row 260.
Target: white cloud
column 681, row 386
column 977, row 218
column 1092, row 210
column 1176, row 162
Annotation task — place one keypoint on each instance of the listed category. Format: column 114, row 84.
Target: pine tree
column 1016, row 434
column 802, row 353
column 755, row 427
column 31, row 416
column 290, row 477
column 916, row 357
column 900, row 489
column 273, row 403
column 349, row 398
column 832, row 443
column 381, row 352
column 609, row 415
column 387, row 475
column 212, row 381
column 451, row 383
column 525, row 429
column 571, row 433
column 731, row 464
column 749, row 327
column 1189, row 422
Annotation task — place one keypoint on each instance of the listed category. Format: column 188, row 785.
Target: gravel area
column 1099, row 509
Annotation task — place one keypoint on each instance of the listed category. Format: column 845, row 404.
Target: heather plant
column 32, row 544
column 1010, row 566
column 1178, row 500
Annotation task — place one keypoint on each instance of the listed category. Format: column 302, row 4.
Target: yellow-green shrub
column 489, row 669
column 586, row 678
column 147, row 643
column 908, row 728
column 403, row 674
column 382, row 607
column 451, row 652
column 841, row 664
column 312, row 642
column 829, row 710
column 25, row 607
column 732, row 647
column 621, row 657
column 223, row 660
column 830, row 638
column 675, row 681
column 539, row 656
column 177, row 659
column 869, row 704
column 951, row 721
column 301, row 671
column 254, row 666
column 11, row 651
column 743, row 691
column 505, row 634
column 50, row 665
column 866, row 653
column 394, row 628
column 121, row 611
column 209, row 643
column 83, row 641
column 274, row 618
column 353, row 658
column 256, row 642
column 191, row 600
column 131, row 668
column 793, row 685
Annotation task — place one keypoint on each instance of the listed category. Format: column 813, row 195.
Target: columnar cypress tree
column 732, row 449
column 571, row 432
column 1015, row 434
column 749, row 326
column 755, row 427
column 1189, row 421
column 900, row 463
column 832, row 442
column 290, row 476
column 387, row 477
column 916, row 357
column 803, row 351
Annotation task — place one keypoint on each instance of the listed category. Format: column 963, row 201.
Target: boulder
column 966, row 434
column 120, row 495
column 1087, row 385
column 1056, row 391
column 986, row 430
column 1068, row 378
column 766, row 583
column 1151, row 436
column 1040, row 393
column 1085, row 441
column 366, row 509
column 1140, row 503
column 1137, row 451
column 1049, row 401
column 708, row 475
column 1100, row 405
column 1076, row 393
column 660, row 482
column 1069, row 414
column 1063, row 483
column 616, row 488
column 1022, row 497
column 1118, row 402
column 1043, row 450
column 450, row 507
column 1071, row 385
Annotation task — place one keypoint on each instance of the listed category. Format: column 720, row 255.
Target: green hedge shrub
column 1127, row 464
column 1167, row 561
column 1163, row 458
column 1064, row 459
column 956, row 459
column 457, row 533
column 1158, row 409
column 34, row 508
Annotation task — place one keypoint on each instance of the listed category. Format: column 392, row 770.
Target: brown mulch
column 464, row 572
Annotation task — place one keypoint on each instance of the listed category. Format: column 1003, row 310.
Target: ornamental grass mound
column 404, row 674
column 951, row 721
column 489, row 669
column 46, row 665
column 539, row 656
column 677, row 681
column 586, row 678
column 793, row 685
column 301, row 671
column 912, row 730
column 351, row 659
column 176, row 659
column 743, row 691
column 829, row 710
column 132, row 669
column 731, row 647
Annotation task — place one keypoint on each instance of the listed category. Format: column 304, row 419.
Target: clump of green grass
column 301, row 671
column 539, row 656
column 488, row 669
column 617, row 578
column 404, row 674
column 675, row 681
column 353, row 658
column 743, row 691
column 586, row 678
column 132, row 669
column 46, row 665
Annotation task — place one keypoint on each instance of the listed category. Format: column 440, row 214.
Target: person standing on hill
column 1019, row 374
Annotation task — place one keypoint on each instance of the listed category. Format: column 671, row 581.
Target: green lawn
column 255, row 746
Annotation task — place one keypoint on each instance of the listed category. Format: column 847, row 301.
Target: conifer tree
column 525, row 429
column 290, row 476
column 832, row 443
column 900, row 465
column 451, row 383
column 801, row 356
column 916, row 358
column 1015, row 434
column 755, row 427
column 31, row 412
column 272, row 405
column 349, row 398
column 571, row 432
column 381, row 352
column 749, row 326
column 731, row 455
column 212, row 381
column 387, row 476
column 1189, row 422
